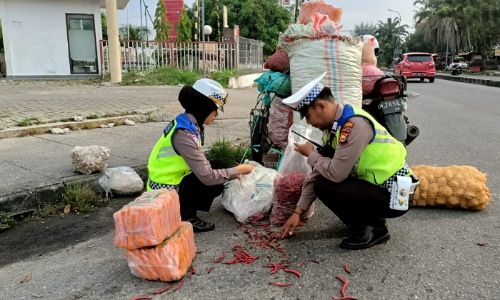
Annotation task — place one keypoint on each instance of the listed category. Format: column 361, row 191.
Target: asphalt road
column 433, row 253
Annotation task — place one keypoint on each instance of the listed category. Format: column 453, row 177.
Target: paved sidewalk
column 36, row 168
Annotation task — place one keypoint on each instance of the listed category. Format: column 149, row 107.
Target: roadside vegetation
column 172, row 76
column 231, row 154
column 78, row 198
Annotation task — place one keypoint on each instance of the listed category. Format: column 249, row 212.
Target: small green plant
column 29, row 121
column 6, row 221
column 224, row 76
column 230, row 154
column 93, row 117
column 82, row 197
column 48, row 210
column 66, row 120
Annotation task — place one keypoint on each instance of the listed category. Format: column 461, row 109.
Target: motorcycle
column 387, row 104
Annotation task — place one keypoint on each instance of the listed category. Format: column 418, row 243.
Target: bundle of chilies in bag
column 287, row 190
column 158, row 245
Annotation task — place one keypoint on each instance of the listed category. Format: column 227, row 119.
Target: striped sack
column 339, row 57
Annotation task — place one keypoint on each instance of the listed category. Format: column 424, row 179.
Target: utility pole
column 146, row 20
column 399, row 31
column 203, row 32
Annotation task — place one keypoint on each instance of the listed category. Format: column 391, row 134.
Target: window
column 419, row 58
column 82, row 44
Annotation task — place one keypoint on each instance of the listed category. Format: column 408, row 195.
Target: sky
column 353, row 11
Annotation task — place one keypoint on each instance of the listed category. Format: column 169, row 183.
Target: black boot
column 199, row 225
column 367, row 237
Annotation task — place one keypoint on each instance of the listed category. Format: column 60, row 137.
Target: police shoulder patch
column 345, row 132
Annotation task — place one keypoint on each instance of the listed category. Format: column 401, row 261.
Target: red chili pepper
column 142, row 298
column 221, row 257
column 162, row 290
column 345, row 298
column 300, row 264
column 483, row 244
column 314, row 261
column 179, row 285
column 346, row 268
column 235, row 234
column 281, row 284
column 210, row 270
column 293, row 272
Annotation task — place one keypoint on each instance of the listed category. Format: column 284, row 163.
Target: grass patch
column 161, row 76
column 93, row 117
column 29, row 121
column 173, row 76
column 82, row 198
column 6, row 221
column 223, row 77
column 230, row 154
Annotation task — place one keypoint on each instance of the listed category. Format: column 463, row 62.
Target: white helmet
column 367, row 38
column 213, row 90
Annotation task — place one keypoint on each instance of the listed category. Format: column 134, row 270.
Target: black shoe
column 199, row 225
column 366, row 238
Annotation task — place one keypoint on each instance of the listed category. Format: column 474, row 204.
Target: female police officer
column 356, row 183
column 177, row 161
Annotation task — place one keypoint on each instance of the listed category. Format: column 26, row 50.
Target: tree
column 364, row 28
column 184, row 27
column 262, row 20
column 133, row 33
column 390, row 36
column 104, row 26
column 467, row 25
column 160, row 24
column 415, row 42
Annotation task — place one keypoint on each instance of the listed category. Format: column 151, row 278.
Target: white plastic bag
column 250, row 195
column 121, row 181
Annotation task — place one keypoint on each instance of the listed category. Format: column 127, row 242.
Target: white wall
column 35, row 34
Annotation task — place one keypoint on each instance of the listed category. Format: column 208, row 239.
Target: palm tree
column 133, row 33
column 364, row 28
column 438, row 27
column 390, row 37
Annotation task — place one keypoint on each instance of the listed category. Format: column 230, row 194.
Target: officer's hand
column 289, row 228
column 244, row 169
column 304, row 149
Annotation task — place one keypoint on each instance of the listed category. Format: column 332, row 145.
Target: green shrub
column 230, row 154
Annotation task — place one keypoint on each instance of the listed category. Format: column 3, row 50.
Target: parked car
column 416, row 65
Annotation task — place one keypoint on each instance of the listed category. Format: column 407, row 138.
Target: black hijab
column 196, row 103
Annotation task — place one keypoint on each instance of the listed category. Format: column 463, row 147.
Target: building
column 52, row 38
column 174, row 11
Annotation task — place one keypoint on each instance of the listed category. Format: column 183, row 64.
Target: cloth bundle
column 453, row 187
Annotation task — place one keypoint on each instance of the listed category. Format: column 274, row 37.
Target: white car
column 458, row 65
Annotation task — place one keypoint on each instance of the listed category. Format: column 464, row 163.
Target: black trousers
column 357, row 203
column 194, row 196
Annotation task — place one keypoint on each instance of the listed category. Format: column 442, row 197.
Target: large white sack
column 340, row 58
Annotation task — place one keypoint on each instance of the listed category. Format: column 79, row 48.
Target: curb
column 480, row 81
column 86, row 124
column 29, row 200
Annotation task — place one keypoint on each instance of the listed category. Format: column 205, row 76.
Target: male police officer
column 356, row 183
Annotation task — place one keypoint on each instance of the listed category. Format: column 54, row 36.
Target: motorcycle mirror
column 412, row 95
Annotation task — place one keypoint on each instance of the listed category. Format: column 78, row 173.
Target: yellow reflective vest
column 382, row 157
column 165, row 166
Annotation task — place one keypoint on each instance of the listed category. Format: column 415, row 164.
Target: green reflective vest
column 165, row 166
column 381, row 158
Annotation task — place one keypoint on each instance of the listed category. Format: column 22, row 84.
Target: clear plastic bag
column 292, row 174
column 280, row 119
column 121, row 181
column 250, row 195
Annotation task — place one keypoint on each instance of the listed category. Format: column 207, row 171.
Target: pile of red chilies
column 286, row 194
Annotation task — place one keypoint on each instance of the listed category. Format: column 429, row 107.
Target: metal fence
column 244, row 55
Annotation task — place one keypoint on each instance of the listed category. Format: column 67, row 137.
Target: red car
column 416, row 65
